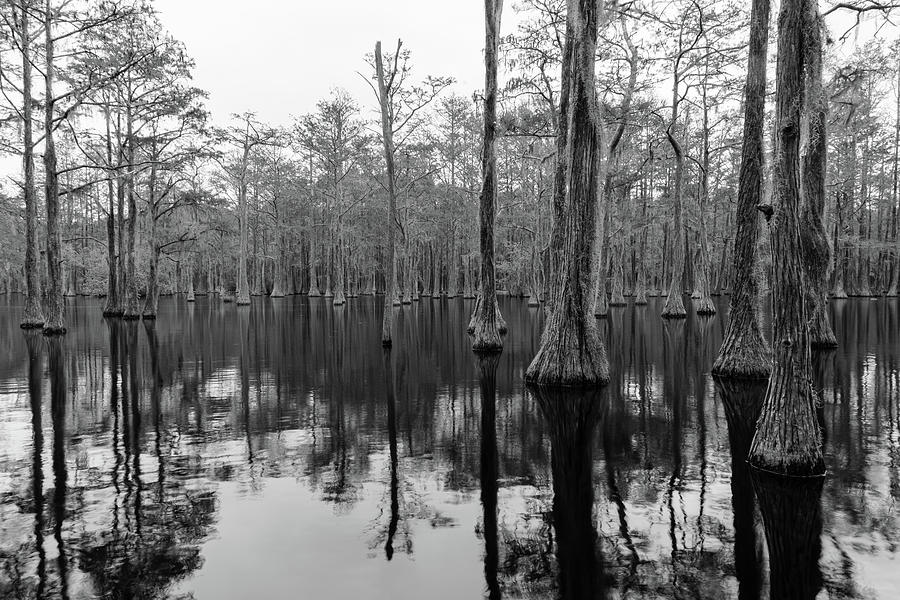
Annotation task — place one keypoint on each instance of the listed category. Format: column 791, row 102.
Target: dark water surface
column 278, row 452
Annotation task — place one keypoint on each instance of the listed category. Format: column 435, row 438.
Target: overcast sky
column 278, row 58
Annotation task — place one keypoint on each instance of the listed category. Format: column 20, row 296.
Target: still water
column 278, row 452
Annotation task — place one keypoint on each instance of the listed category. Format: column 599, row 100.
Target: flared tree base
column 821, row 335
column 570, row 355
column 788, row 442
column 706, row 307
column 54, row 331
column 743, row 355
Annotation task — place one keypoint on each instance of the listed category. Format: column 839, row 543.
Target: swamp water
column 277, row 451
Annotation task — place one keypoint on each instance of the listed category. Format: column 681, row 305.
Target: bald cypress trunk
column 486, row 327
column 54, row 323
column 560, row 175
column 113, row 306
column 243, row 285
column 571, row 351
column 744, row 351
column 816, row 250
column 388, row 140
column 895, row 279
column 788, row 440
column 674, row 308
column 34, row 314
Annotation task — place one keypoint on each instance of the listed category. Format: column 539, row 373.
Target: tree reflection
column 742, row 402
column 56, row 364
column 792, row 514
column 392, row 444
column 572, row 417
column 487, row 379
column 156, row 542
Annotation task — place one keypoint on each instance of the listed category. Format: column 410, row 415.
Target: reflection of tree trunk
column 792, row 514
column 742, row 403
column 155, row 401
column 35, row 378
column 571, row 418
column 392, row 442
column 56, row 367
column 487, row 364
column 134, row 439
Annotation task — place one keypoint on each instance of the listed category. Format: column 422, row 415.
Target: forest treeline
column 132, row 189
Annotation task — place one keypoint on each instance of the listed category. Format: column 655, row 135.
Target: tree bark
column 132, row 302
column 788, row 440
column 895, row 279
column 34, row 314
column 674, row 308
column 487, row 331
column 388, row 140
column 54, row 323
column 243, row 286
column 745, row 352
column 113, row 306
column 571, row 352
column 816, row 250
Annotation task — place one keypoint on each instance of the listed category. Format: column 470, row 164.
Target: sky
column 278, row 58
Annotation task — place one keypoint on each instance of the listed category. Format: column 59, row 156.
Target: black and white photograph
column 471, row 300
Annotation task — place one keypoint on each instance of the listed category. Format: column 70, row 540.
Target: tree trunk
column 384, row 100
column 54, row 323
column 816, row 251
column 745, row 352
column 674, row 308
column 895, row 279
column 34, row 315
column 132, row 302
column 113, row 306
column 788, row 440
column 151, row 302
column 191, row 296
column 571, row 351
column 243, row 285
column 487, row 331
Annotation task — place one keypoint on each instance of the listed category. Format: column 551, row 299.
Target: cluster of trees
column 600, row 184
column 145, row 196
